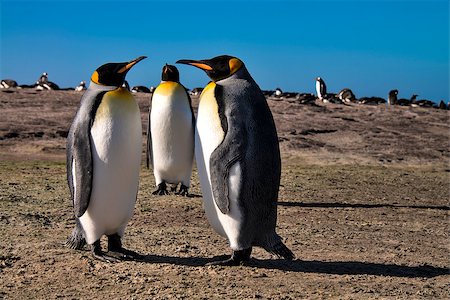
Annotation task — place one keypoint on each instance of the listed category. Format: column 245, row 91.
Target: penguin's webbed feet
column 184, row 191
column 97, row 253
column 238, row 258
column 116, row 250
column 161, row 189
column 125, row 254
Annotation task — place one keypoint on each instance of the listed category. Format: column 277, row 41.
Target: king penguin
column 103, row 162
column 170, row 133
column 238, row 159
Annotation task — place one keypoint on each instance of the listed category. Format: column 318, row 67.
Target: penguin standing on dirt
column 103, row 162
column 170, row 133
column 238, row 159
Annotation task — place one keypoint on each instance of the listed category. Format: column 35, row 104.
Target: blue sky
column 368, row 46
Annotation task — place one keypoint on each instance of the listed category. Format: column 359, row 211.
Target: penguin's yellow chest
column 116, row 125
column 117, row 102
column 168, row 88
column 208, row 120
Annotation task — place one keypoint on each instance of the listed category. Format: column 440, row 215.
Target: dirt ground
column 364, row 205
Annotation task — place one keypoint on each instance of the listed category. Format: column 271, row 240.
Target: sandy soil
column 364, row 205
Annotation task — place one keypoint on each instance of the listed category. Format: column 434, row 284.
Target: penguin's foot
column 238, row 258
column 125, row 254
column 161, row 190
column 184, row 191
column 97, row 253
column 116, row 250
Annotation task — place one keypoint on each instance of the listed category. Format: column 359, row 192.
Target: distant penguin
column 406, row 102
column 49, row 86
column 278, row 92
column 43, row 78
column 140, row 89
column 8, row 83
column 238, row 159
column 81, row 87
column 442, row 105
column 392, row 97
column 44, row 84
column 196, row 91
column 170, row 133
column 321, row 88
column 346, row 95
column 421, row 103
column 103, row 162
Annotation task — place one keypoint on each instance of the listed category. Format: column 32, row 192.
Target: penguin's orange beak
column 131, row 64
column 196, row 63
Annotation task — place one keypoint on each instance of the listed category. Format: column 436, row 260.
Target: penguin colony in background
column 103, row 162
column 170, row 133
column 345, row 96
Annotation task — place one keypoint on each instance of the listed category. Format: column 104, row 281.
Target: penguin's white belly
column 172, row 138
column 208, row 135
column 319, row 94
column 116, row 140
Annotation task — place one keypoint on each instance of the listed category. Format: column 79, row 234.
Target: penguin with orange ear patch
column 170, row 133
column 238, row 159
column 103, row 162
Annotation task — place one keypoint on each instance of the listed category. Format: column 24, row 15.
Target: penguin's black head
column 113, row 74
column 216, row 68
column 393, row 92
column 170, row 73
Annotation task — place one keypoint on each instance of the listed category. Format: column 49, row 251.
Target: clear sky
column 368, row 46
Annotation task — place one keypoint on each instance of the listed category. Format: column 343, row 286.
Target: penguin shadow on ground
column 359, row 205
column 302, row 266
column 350, row 268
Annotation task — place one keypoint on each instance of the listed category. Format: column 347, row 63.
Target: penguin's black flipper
column 79, row 152
column 227, row 153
